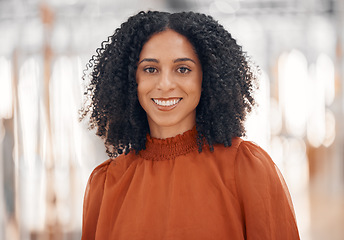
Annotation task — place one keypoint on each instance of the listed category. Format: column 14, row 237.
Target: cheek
column 145, row 85
column 198, row 90
column 143, row 90
column 140, row 85
column 140, row 93
column 196, row 86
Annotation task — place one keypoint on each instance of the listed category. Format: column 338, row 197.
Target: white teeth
column 166, row 103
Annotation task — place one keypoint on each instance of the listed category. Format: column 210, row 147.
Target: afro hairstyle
column 111, row 100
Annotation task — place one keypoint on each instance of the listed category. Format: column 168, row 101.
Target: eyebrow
column 175, row 61
column 184, row 60
column 149, row 60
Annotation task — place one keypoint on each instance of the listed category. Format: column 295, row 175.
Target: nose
column 165, row 81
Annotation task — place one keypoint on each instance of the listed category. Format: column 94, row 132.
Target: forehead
column 168, row 44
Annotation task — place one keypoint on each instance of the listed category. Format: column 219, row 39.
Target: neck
column 164, row 132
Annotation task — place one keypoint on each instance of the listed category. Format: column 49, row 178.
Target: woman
column 169, row 94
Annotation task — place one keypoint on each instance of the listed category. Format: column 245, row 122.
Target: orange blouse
column 171, row 191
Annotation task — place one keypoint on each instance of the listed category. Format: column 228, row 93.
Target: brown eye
column 183, row 70
column 150, row 70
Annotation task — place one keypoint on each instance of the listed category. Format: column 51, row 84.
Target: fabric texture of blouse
column 170, row 190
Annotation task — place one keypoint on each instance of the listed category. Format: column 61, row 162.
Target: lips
column 166, row 104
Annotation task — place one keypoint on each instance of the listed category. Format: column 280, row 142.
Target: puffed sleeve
column 92, row 200
column 265, row 200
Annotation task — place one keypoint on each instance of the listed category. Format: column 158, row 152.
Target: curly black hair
column 111, row 96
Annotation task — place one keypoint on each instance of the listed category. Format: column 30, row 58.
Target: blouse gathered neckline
column 169, row 148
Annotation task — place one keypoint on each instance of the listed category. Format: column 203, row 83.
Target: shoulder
column 241, row 149
column 99, row 173
column 263, row 192
column 250, row 154
column 230, row 151
column 251, row 147
column 248, row 160
column 113, row 167
column 254, row 168
column 243, row 154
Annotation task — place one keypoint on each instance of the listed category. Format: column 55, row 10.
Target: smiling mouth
column 166, row 103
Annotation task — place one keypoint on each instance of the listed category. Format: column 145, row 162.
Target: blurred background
column 46, row 154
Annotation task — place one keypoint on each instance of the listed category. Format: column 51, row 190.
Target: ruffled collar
column 170, row 148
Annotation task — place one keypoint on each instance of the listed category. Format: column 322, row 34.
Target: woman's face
column 169, row 78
